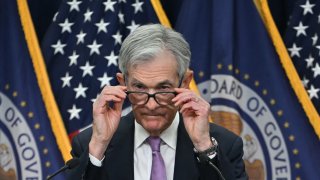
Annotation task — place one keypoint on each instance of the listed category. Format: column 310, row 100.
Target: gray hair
column 148, row 41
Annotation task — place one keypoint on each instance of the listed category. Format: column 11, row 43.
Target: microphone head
column 72, row 163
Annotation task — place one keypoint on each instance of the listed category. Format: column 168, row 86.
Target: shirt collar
column 169, row 136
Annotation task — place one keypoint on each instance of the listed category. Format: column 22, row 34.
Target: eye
column 165, row 87
column 139, row 86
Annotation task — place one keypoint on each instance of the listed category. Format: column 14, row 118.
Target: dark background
column 42, row 12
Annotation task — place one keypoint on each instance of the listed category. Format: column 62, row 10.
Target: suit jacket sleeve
column 235, row 155
column 229, row 156
column 80, row 150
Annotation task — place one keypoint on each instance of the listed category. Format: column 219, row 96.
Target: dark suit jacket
column 118, row 163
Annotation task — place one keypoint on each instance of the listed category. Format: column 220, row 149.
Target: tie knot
column 154, row 142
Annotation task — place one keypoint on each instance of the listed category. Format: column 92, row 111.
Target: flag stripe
column 43, row 81
column 289, row 68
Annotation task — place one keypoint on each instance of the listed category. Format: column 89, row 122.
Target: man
column 167, row 135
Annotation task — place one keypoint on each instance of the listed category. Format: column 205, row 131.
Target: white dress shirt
column 143, row 153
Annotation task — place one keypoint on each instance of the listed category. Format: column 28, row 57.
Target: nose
column 152, row 104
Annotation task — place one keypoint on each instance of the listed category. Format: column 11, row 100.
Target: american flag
column 303, row 44
column 81, row 51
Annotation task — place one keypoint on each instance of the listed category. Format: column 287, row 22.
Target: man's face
column 158, row 75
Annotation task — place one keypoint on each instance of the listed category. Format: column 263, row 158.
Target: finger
column 184, row 98
column 118, row 106
column 103, row 101
column 115, row 90
column 190, row 106
column 202, row 107
column 115, row 87
column 181, row 92
column 110, row 91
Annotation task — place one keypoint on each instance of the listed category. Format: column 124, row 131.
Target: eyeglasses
column 142, row 98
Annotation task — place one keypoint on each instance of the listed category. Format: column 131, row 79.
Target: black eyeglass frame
column 151, row 95
column 154, row 94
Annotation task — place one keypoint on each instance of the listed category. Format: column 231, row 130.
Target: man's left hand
column 195, row 112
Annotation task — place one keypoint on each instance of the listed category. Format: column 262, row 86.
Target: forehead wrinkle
column 139, row 75
column 164, row 82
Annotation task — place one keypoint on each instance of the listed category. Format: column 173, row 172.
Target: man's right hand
column 106, row 118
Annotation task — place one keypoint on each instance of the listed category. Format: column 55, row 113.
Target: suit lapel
column 120, row 151
column 185, row 162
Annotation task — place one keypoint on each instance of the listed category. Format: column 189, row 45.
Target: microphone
column 70, row 164
column 217, row 170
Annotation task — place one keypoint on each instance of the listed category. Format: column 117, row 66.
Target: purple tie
column 158, row 170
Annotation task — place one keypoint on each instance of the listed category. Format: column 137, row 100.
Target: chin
column 154, row 124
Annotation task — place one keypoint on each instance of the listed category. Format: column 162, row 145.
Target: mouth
column 152, row 115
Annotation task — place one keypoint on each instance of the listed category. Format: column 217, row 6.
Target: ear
column 120, row 78
column 187, row 79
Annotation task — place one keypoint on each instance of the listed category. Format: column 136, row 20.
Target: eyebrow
column 165, row 82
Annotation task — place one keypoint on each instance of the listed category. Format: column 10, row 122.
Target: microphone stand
column 217, row 170
column 72, row 163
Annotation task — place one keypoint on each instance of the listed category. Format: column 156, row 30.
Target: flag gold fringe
column 157, row 6
column 56, row 122
column 288, row 66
